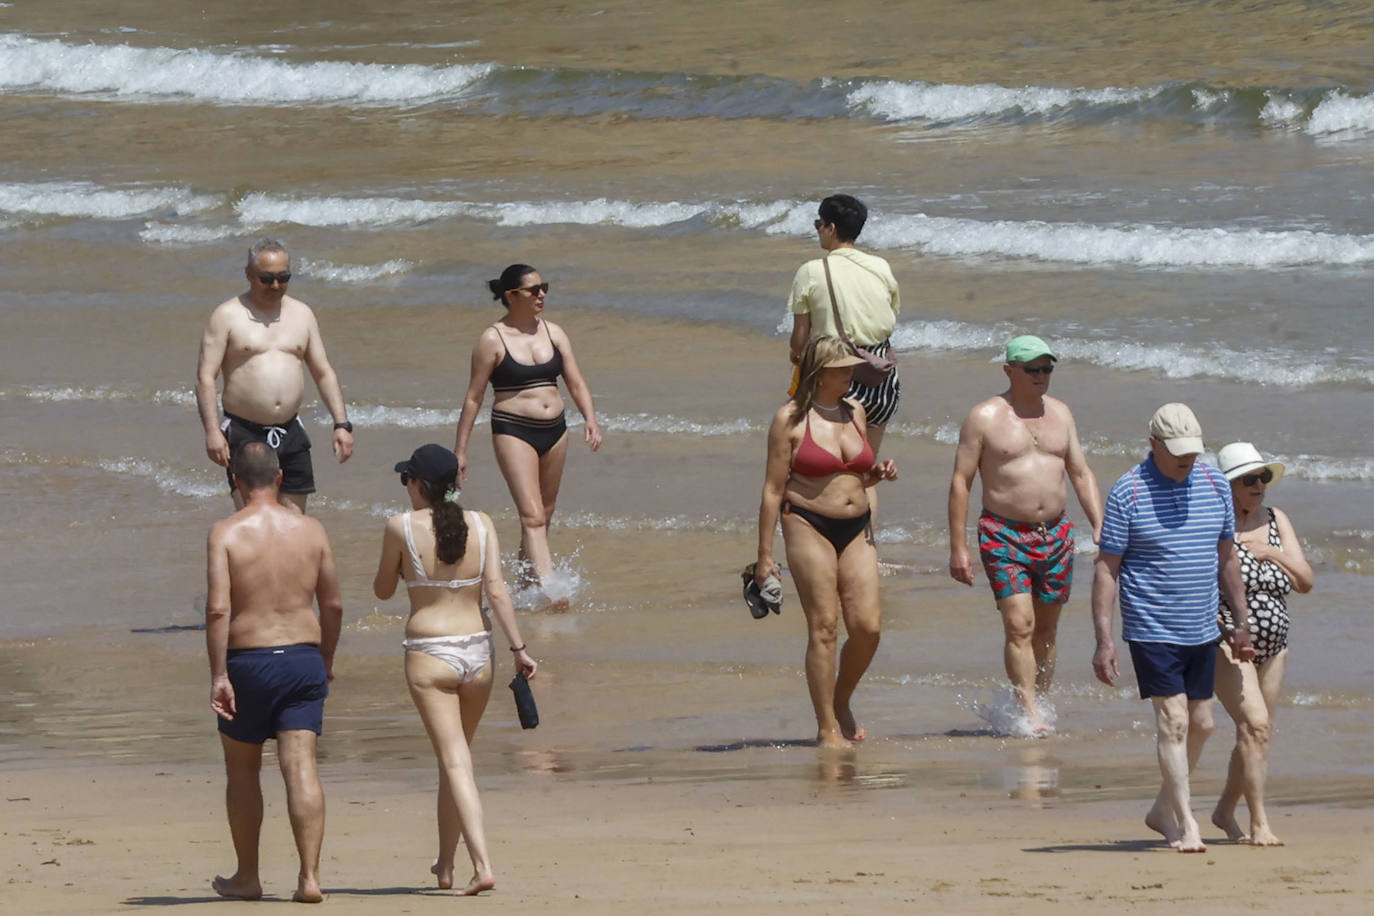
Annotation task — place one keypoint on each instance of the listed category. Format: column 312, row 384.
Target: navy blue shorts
column 1164, row 670
column 276, row 689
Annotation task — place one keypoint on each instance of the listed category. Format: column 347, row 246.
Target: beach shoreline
column 105, row 839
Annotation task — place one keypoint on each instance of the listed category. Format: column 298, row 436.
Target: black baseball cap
column 430, row 462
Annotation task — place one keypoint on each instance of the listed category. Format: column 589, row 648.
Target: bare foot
column 831, row 740
column 559, row 605
column 1190, row 839
column 237, row 888
column 1162, row 821
column 1263, row 836
column 445, row 875
column 848, row 727
column 308, row 891
column 1227, row 822
column 479, row 883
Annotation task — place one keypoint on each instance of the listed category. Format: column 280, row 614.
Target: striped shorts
column 880, row 403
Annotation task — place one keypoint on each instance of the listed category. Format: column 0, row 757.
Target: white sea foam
column 1005, row 717
column 374, row 415
column 203, row 486
column 1139, row 244
column 124, row 72
column 59, row 393
column 155, row 233
column 1281, row 111
column 1339, row 113
column 1170, row 360
column 354, row 273
column 83, row 199
column 897, row 101
column 668, row 424
column 264, row 209
column 595, row 212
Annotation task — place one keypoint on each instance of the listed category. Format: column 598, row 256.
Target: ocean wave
column 354, row 273
column 1141, row 244
column 202, row 486
column 59, row 393
column 1171, row 360
column 155, row 233
column 897, row 101
column 1177, row 361
column 82, row 199
column 125, row 72
column 668, row 424
column 1339, row 113
column 257, row 209
column 265, row 76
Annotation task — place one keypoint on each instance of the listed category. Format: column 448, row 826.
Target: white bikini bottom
column 467, row 655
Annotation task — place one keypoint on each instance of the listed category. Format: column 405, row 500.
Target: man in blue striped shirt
column 1168, row 540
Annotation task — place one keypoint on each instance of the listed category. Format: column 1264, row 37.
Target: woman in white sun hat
column 1271, row 565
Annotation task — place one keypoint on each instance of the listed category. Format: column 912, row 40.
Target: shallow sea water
column 1175, row 195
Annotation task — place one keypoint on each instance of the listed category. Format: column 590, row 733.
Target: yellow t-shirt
column 865, row 290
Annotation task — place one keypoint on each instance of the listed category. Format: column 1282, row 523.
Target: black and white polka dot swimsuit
column 1266, row 584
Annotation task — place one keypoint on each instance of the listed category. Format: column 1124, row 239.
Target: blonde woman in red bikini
column 819, row 462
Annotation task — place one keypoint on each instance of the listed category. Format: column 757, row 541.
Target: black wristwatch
column 345, row 426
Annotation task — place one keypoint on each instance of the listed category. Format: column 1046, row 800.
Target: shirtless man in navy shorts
column 271, row 661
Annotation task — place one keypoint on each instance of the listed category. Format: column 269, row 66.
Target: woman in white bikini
column 447, row 559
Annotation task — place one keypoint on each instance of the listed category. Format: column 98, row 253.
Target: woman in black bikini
column 522, row 356
column 1271, row 564
column 819, row 462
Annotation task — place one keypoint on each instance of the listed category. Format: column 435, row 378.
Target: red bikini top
column 813, row 461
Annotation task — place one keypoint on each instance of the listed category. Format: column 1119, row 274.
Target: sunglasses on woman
column 531, row 290
column 1265, row 476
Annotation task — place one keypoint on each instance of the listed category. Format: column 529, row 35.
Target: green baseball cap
column 1027, row 347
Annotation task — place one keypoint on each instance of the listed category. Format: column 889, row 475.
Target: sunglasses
column 405, row 479
column 818, row 223
column 1265, row 476
column 531, row 290
column 1037, row 370
column 268, row 279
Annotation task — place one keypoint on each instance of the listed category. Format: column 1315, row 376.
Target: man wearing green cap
column 1023, row 443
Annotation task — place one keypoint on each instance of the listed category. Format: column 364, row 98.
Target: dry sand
column 114, row 839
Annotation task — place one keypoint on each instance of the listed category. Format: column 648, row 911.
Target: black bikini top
column 510, row 375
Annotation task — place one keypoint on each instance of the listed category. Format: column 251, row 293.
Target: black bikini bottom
column 542, row 435
column 838, row 531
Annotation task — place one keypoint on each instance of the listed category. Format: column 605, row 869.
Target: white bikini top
column 423, row 581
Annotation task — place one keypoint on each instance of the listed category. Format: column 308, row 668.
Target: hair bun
column 495, row 287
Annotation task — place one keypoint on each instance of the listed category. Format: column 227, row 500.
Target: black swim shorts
column 289, row 441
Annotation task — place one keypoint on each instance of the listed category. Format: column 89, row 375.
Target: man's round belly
column 263, row 390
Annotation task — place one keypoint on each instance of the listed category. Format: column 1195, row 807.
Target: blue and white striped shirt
column 1166, row 533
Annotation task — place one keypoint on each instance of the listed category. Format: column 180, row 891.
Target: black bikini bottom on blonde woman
column 542, row 435
column 838, row 531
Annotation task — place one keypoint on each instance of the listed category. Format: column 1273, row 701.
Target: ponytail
column 450, row 525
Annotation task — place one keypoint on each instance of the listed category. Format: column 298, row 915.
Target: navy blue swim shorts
column 1164, row 670
column 276, row 689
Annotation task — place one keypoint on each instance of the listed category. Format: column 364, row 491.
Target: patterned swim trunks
column 1034, row 557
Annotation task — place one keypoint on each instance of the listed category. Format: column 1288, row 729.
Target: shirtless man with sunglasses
column 259, row 341
column 1024, row 444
